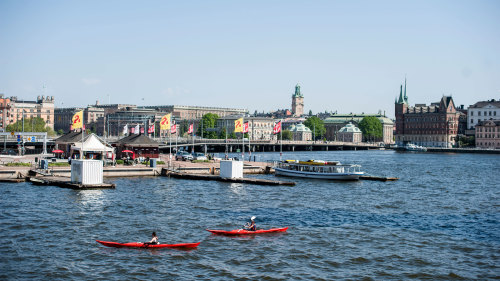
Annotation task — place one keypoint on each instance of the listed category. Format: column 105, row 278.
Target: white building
column 301, row 132
column 482, row 111
column 350, row 133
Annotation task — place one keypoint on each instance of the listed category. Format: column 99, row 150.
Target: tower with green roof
column 297, row 102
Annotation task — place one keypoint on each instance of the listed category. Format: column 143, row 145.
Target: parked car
column 199, row 156
column 183, row 155
column 8, row 152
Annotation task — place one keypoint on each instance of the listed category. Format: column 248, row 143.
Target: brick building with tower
column 434, row 125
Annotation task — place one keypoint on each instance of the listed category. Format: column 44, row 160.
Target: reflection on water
column 237, row 188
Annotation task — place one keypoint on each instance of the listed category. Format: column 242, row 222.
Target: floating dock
column 172, row 174
column 66, row 183
column 375, row 178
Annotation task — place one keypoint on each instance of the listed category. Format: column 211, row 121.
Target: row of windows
column 486, row 113
column 487, row 144
column 487, row 136
column 488, row 129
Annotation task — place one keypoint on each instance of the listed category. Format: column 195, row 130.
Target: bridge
column 217, row 145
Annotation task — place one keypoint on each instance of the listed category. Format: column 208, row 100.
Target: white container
column 86, row 171
column 231, row 169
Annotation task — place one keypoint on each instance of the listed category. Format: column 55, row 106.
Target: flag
column 173, row 129
column 238, row 125
column 125, row 129
column 190, row 130
column 277, row 127
column 77, row 120
column 137, row 129
column 142, row 130
column 132, row 130
column 245, row 127
column 151, row 129
column 165, row 122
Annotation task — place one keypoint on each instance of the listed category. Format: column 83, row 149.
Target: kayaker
column 251, row 226
column 154, row 240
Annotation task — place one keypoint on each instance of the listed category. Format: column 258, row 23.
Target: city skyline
column 347, row 56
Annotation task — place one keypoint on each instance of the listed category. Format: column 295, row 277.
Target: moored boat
column 414, row 147
column 318, row 169
column 246, row 232
column 145, row 245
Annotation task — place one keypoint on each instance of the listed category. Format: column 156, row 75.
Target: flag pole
column 281, row 138
column 170, row 155
column 83, row 131
column 243, row 138
column 249, row 147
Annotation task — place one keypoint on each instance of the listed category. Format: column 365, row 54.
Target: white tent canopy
column 92, row 143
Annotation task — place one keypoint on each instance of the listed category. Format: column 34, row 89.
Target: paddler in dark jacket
column 251, row 226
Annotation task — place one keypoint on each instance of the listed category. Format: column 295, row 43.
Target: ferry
column 414, row 147
column 318, row 169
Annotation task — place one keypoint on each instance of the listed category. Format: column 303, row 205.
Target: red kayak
column 247, row 232
column 142, row 245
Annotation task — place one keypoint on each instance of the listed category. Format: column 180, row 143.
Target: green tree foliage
column 222, row 134
column 209, row 120
column 35, row 124
column 183, row 127
column 310, row 112
column 371, row 128
column 287, row 135
column 317, row 126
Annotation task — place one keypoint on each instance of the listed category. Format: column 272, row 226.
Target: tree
column 208, row 120
column 222, row 134
column 35, row 124
column 310, row 112
column 371, row 128
column 287, row 135
column 317, row 126
column 60, row 132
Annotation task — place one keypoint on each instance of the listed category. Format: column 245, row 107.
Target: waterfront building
column 91, row 116
column 488, row 134
column 300, row 132
column 434, row 125
column 128, row 118
column 335, row 122
column 140, row 144
column 350, row 133
column 95, row 116
column 13, row 110
column 297, row 102
column 259, row 128
column 184, row 112
column 481, row 111
column 6, row 112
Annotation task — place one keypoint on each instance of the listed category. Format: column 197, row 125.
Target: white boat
column 414, row 147
column 318, row 169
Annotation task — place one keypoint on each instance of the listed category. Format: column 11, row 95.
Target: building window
column 479, row 113
column 472, row 113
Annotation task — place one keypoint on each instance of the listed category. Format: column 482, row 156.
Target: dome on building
column 350, row 128
column 299, row 128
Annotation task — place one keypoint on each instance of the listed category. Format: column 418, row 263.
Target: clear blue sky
column 348, row 56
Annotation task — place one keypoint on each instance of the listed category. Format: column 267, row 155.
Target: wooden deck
column 189, row 176
column 66, row 183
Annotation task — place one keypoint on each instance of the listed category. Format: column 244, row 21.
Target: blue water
column 439, row 221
